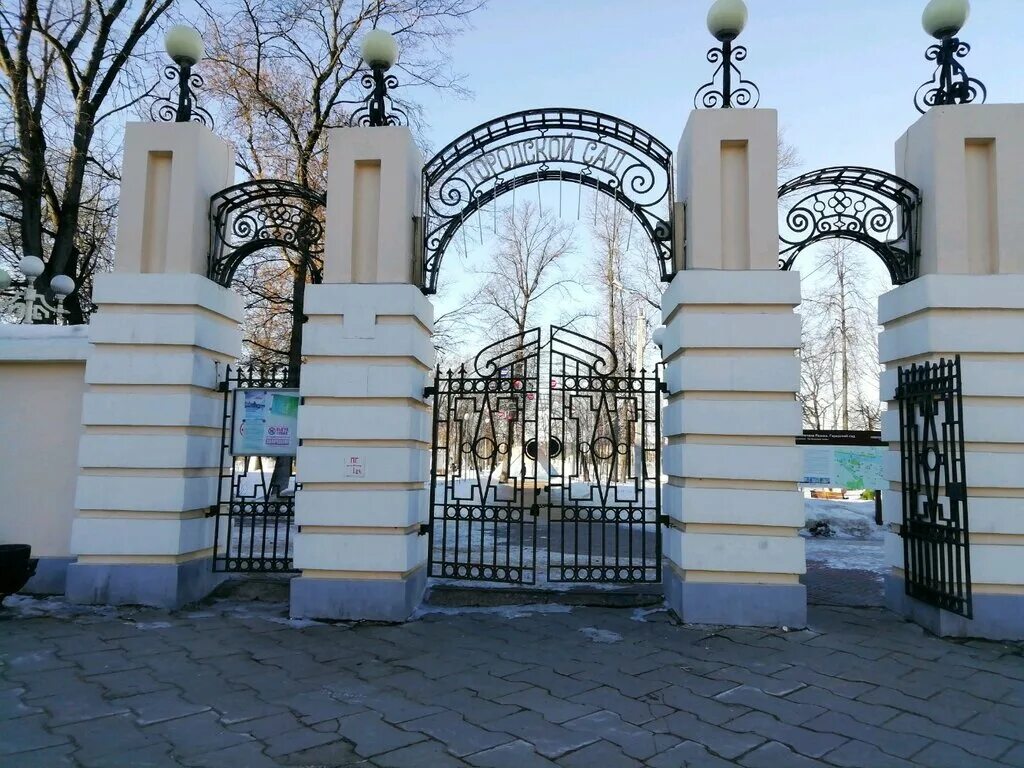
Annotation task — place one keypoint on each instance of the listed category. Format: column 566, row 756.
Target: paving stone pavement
column 235, row 683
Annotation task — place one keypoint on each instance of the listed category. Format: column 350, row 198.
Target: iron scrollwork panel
column 582, row 147
column 265, row 213
column 935, row 531
column 484, row 483
column 254, row 526
column 864, row 205
column 604, row 493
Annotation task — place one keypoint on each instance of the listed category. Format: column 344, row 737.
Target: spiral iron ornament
column 727, row 88
column 179, row 105
column 873, row 208
column 580, row 147
column 378, row 108
column 261, row 214
column 950, row 84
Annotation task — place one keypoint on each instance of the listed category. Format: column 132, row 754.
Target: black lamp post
column 184, row 46
column 379, row 52
column 943, row 20
column 727, row 88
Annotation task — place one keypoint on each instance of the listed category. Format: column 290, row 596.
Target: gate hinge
column 664, row 520
column 213, row 510
column 424, row 529
column 663, row 386
column 535, row 510
column 223, row 386
column 429, row 391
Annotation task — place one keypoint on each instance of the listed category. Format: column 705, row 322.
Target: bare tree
column 524, row 271
column 283, row 72
column 789, row 157
column 840, row 316
column 69, row 67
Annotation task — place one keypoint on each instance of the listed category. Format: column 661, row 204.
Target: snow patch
column 641, row 614
column 601, row 635
column 505, row 611
column 846, row 519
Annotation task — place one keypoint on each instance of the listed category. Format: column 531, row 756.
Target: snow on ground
column 855, row 543
column 847, row 519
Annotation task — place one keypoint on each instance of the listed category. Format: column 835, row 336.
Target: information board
column 853, row 468
column 265, row 422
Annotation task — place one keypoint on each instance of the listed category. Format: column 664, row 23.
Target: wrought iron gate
column 936, row 546
column 569, row 437
column 604, row 496
column 255, row 515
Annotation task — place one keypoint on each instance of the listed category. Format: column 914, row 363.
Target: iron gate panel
column 484, row 483
column 255, row 519
column 936, row 546
column 604, row 497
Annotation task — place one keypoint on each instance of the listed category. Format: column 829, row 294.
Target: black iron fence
column 255, row 510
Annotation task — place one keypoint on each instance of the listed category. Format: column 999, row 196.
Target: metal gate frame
column 253, row 532
column 487, row 420
column 621, row 410
column 936, row 540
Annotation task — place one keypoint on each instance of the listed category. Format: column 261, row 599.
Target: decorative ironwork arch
column 580, row 146
column 265, row 213
column 874, row 208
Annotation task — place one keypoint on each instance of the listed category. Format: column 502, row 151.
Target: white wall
column 42, row 372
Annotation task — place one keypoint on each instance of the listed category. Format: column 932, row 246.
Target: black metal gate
column 936, row 546
column 255, row 510
column 604, row 497
column 568, row 436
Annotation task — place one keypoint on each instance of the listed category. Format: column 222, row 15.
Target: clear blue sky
column 841, row 73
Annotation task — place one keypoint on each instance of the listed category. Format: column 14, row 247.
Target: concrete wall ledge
column 952, row 292
column 43, row 343
column 167, row 290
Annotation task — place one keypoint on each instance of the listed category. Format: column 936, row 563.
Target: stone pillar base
column 996, row 617
column 358, row 599
column 738, row 605
column 51, row 576
column 162, row 585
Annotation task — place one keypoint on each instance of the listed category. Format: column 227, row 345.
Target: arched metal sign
column 586, row 148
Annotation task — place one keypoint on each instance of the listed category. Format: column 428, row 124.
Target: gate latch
column 535, row 510
column 429, row 391
column 424, row 529
column 665, row 520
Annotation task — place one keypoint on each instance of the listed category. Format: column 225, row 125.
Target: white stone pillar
column 733, row 553
column 150, row 448
column 364, row 424
column 968, row 162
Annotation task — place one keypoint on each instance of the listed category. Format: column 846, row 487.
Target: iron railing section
column 483, row 482
column 254, row 526
column 935, row 529
column 604, row 498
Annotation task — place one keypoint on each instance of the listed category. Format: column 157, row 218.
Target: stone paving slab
column 234, row 683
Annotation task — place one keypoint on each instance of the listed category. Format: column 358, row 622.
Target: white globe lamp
column 945, row 18
column 184, row 45
column 62, row 285
column 380, row 49
column 727, row 18
column 31, row 267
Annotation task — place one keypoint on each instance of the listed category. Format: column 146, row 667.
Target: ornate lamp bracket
column 378, row 109
column 950, row 84
column 727, row 88
column 179, row 105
